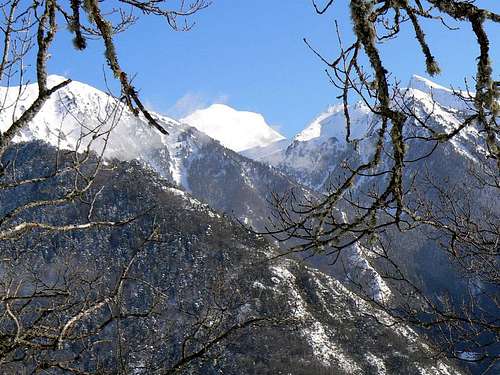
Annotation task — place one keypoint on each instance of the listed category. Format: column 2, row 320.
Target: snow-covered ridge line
column 325, row 137
column 331, row 123
column 79, row 111
column 73, row 115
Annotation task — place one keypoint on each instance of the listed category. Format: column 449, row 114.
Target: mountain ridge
column 79, row 116
column 326, row 327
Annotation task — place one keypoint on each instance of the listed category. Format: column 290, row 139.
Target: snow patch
column 376, row 362
column 314, row 332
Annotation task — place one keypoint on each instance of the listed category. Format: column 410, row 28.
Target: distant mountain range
column 314, row 155
column 234, row 161
column 186, row 156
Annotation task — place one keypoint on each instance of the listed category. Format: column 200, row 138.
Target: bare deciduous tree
column 448, row 214
column 29, row 29
column 80, row 314
column 74, row 314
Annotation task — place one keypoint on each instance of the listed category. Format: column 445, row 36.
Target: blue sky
column 250, row 55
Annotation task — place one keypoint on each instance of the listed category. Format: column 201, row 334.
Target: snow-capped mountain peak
column 425, row 85
column 424, row 89
column 79, row 115
column 317, row 150
column 75, row 113
column 236, row 130
column 331, row 123
column 55, row 79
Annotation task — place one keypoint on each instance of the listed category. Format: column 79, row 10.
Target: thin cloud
column 193, row 101
column 276, row 127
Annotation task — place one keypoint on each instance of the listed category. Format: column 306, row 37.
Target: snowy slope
column 316, row 155
column 318, row 326
column 442, row 95
column 331, row 123
column 78, row 112
column 236, row 130
column 272, row 153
